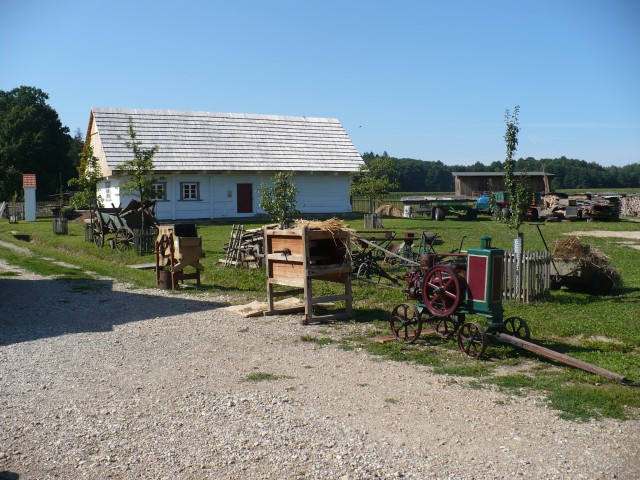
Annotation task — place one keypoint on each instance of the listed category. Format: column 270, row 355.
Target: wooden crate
column 296, row 257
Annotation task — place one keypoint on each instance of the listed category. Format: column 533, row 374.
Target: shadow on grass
column 35, row 309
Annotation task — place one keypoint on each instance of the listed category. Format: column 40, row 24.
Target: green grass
column 321, row 341
column 603, row 330
column 263, row 377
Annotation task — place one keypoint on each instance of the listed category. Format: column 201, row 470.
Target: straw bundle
column 593, row 262
column 331, row 225
column 389, row 211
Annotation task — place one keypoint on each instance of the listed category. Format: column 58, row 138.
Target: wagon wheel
column 445, row 327
column 441, row 291
column 472, row 340
column 124, row 239
column 98, row 233
column 405, row 323
column 517, row 327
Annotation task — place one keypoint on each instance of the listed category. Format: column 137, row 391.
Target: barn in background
column 211, row 165
column 473, row 184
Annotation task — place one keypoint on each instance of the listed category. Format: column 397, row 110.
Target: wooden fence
column 534, row 279
column 43, row 209
column 362, row 204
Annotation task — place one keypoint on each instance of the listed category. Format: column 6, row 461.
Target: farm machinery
column 448, row 287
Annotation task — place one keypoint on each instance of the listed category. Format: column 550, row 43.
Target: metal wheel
column 405, row 323
column 445, row 327
column 98, row 233
column 124, row 239
column 517, row 327
column 441, row 291
column 472, row 340
column 439, row 214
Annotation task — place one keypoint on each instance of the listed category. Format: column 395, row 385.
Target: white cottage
column 211, row 165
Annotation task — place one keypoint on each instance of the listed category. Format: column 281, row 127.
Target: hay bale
column 389, row 211
column 596, row 275
column 331, row 225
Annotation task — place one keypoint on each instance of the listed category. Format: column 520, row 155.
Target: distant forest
column 429, row 176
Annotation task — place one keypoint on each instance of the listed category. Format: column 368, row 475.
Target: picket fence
column 535, row 276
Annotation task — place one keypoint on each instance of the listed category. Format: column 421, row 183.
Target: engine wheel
column 445, row 327
column 517, row 327
column 472, row 340
column 441, row 291
column 405, row 323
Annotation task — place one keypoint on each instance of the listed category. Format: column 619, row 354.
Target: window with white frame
column 160, row 191
column 189, row 191
column 107, row 191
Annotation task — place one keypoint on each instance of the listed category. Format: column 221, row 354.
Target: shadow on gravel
column 4, row 475
column 34, row 309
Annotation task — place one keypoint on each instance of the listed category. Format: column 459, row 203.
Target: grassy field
column 604, row 330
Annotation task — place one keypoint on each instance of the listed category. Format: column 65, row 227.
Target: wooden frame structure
column 175, row 250
column 297, row 257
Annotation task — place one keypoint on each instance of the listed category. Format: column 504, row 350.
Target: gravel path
column 100, row 381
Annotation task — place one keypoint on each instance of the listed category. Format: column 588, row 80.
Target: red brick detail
column 29, row 180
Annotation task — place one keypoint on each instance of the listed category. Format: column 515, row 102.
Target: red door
column 245, row 197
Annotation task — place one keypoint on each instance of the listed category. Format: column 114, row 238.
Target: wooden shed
column 212, row 165
column 475, row 183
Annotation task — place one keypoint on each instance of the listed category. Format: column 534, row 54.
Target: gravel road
column 101, row 381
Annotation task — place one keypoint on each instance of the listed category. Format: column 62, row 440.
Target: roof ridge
column 195, row 113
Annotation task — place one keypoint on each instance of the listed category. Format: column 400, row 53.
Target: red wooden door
column 245, row 197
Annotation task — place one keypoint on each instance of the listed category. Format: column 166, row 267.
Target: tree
column 519, row 194
column 140, row 167
column 87, row 181
column 32, row 140
column 279, row 200
column 374, row 179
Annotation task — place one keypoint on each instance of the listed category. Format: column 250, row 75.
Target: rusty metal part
column 472, row 340
column 405, row 323
column 517, row 327
column 558, row 357
column 441, row 290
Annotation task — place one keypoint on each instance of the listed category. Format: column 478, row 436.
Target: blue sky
column 420, row 79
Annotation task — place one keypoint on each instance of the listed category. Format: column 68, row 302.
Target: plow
column 446, row 288
column 383, row 258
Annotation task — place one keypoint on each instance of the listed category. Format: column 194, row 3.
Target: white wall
column 317, row 193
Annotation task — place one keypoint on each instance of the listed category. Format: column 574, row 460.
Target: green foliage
column 262, row 377
column 279, row 200
column 516, row 186
column 415, row 175
column 87, row 181
column 375, row 178
column 140, row 167
column 32, row 140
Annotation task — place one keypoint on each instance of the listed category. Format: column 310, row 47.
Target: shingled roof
column 190, row 141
